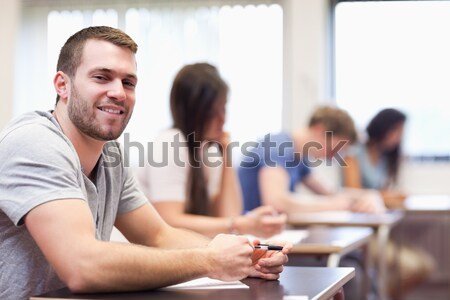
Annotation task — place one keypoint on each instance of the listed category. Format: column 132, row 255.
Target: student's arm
column 356, row 200
column 228, row 202
column 65, row 233
column 351, row 173
column 263, row 221
column 315, row 185
column 393, row 198
column 256, row 224
column 139, row 228
column 173, row 213
column 274, row 185
column 226, row 208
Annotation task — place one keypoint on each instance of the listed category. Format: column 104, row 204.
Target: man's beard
column 84, row 119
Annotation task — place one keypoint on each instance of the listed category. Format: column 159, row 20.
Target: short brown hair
column 335, row 120
column 72, row 51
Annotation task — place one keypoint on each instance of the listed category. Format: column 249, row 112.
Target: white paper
column 295, row 297
column 294, row 236
column 338, row 215
column 207, row 283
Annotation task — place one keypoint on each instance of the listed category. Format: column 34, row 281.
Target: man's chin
column 107, row 135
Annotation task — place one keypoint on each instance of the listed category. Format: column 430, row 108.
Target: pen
column 268, row 247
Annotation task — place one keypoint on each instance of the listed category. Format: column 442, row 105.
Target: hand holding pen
column 269, row 258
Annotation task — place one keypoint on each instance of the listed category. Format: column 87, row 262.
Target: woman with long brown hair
column 196, row 186
column 375, row 164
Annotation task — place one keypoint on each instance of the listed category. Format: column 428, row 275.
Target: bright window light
column 396, row 54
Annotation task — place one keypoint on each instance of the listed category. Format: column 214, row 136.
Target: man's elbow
column 80, row 277
column 78, row 284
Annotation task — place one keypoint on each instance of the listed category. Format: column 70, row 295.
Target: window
column 244, row 42
column 396, row 54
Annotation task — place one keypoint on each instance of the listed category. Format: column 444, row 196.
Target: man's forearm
column 313, row 203
column 127, row 267
column 207, row 226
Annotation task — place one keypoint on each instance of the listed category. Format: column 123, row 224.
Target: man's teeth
column 113, row 111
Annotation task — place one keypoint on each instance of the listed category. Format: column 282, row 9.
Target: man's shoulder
column 33, row 125
column 35, row 132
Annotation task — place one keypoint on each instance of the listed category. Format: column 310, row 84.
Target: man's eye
column 100, row 77
column 129, row 83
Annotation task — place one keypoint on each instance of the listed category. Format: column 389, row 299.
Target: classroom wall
column 305, row 65
column 9, row 22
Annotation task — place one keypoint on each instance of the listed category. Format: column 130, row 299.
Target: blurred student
column 60, row 194
column 375, row 163
column 270, row 171
column 196, row 186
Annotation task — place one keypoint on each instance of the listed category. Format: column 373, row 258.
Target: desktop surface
column 315, row 283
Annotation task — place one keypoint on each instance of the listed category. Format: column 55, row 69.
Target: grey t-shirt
column 38, row 164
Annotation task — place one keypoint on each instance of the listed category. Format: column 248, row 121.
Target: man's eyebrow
column 106, row 70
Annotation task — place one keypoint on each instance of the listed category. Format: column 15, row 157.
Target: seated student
column 192, row 190
column 63, row 187
column 374, row 165
column 269, row 172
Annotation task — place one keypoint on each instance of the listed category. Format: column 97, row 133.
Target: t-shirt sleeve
column 37, row 165
column 305, row 170
column 278, row 151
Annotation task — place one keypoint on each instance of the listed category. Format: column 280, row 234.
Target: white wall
column 9, row 22
column 306, row 31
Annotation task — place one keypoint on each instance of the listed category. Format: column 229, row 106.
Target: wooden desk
column 381, row 223
column 426, row 225
column 332, row 242
column 316, row 283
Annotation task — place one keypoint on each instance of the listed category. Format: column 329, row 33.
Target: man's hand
column 268, row 264
column 263, row 222
column 369, row 202
column 231, row 257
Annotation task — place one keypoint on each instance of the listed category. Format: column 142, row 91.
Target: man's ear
column 61, row 82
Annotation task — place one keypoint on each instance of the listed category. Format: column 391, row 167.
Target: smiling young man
column 60, row 197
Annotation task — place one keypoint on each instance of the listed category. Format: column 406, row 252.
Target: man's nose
column 117, row 90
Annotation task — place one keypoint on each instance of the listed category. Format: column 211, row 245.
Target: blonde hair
column 335, row 120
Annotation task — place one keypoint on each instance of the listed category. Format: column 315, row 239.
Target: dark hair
column 72, row 51
column 194, row 93
column 377, row 130
column 335, row 120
